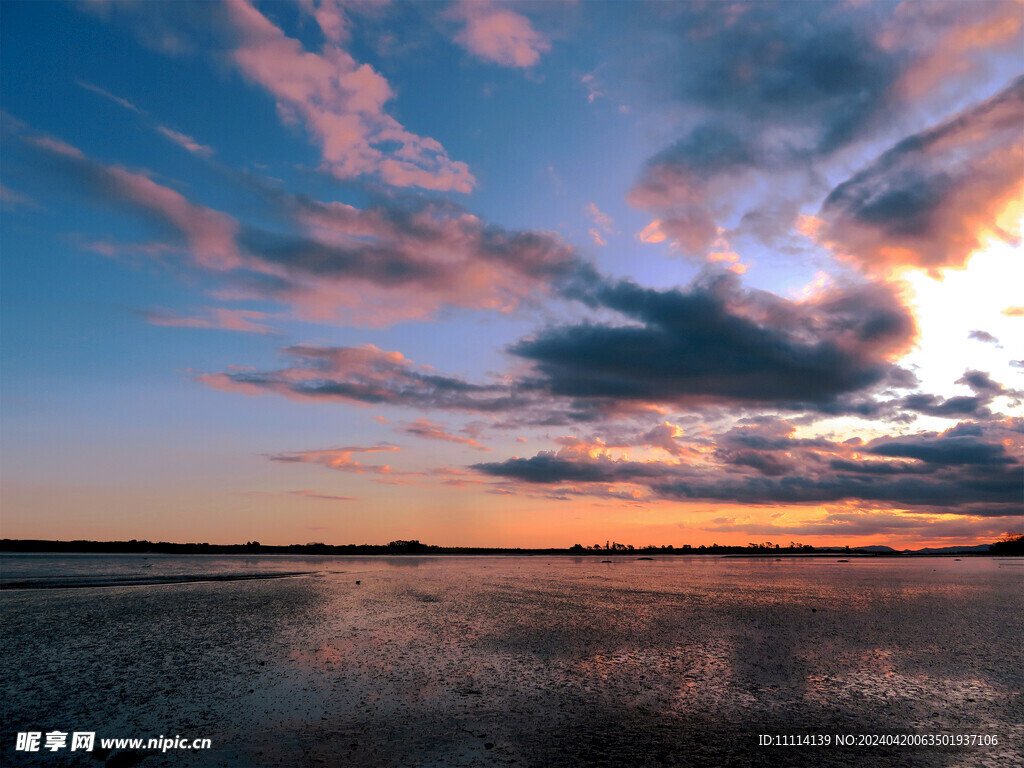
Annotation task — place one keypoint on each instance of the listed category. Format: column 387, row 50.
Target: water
column 489, row 661
column 41, row 571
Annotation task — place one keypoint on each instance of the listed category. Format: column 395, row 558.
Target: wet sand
column 530, row 662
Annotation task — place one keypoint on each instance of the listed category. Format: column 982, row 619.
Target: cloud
column 664, row 436
column 547, row 468
column 675, row 184
column 951, row 41
column 217, row 318
column 330, row 16
column 185, row 141
column 983, row 336
column 602, row 224
column 768, row 90
column 426, row 429
column 340, row 102
column 711, row 344
column 935, row 197
column 946, row 449
column 340, row 459
column 366, row 375
column 715, row 343
column 210, row 235
column 399, row 259
column 965, row 470
column 593, row 86
column 9, row 199
column 927, row 527
column 394, row 262
column 321, row 496
column 772, row 98
column 498, row 35
column 950, row 407
column 980, row 382
column 110, row 96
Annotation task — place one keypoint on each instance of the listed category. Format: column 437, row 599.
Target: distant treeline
column 1009, row 545
column 412, row 547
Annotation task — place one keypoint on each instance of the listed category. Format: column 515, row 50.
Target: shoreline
column 148, row 581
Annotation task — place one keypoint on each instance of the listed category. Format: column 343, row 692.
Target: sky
column 512, row 274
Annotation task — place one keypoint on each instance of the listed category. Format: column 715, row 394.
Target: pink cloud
column 217, row 318
column 946, row 50
column 339, row 459
column 374, row 266
column 380, row 266
column 109, row 96
column 365, row 375
column 186, row 141
column 602, row 224
column 211, row 235
column 11, row 199
column 330, row 17
column 935, row 197
column 341, row 103
column 57, row 147
column 499, row 35
column 426, row 429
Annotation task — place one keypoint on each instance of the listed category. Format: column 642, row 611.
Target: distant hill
column 876, row 548
column 948, row 550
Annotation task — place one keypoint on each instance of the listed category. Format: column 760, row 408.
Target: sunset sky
column 513, row 274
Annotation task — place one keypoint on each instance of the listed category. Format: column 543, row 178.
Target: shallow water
column 519, row 661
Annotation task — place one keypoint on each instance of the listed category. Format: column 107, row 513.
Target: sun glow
column 963, row 320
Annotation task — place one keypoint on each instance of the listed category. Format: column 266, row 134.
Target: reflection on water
column 550, row 661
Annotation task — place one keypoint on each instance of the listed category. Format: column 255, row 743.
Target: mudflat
column 495, row 661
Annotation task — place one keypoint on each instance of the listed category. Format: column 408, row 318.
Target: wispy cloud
column 110, row 96
column 398, row 260
column 428, row 430
column 216, row 318
column 186, row 142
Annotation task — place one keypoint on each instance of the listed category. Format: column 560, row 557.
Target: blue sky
column 511, row 273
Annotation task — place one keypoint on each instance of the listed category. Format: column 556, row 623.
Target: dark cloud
column 986, row 390
column 951, row 407
column 820, row 67
column 981, row 383
column 880, row 467
column 367, row 376
column 767, row 464
column 1001, row 490
column 965, row 470
column 875, row 523
column 714, row 342
column 549, row 468
column 932, row 199
column 943, row 449
column 984, row 336
column 771, row 93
